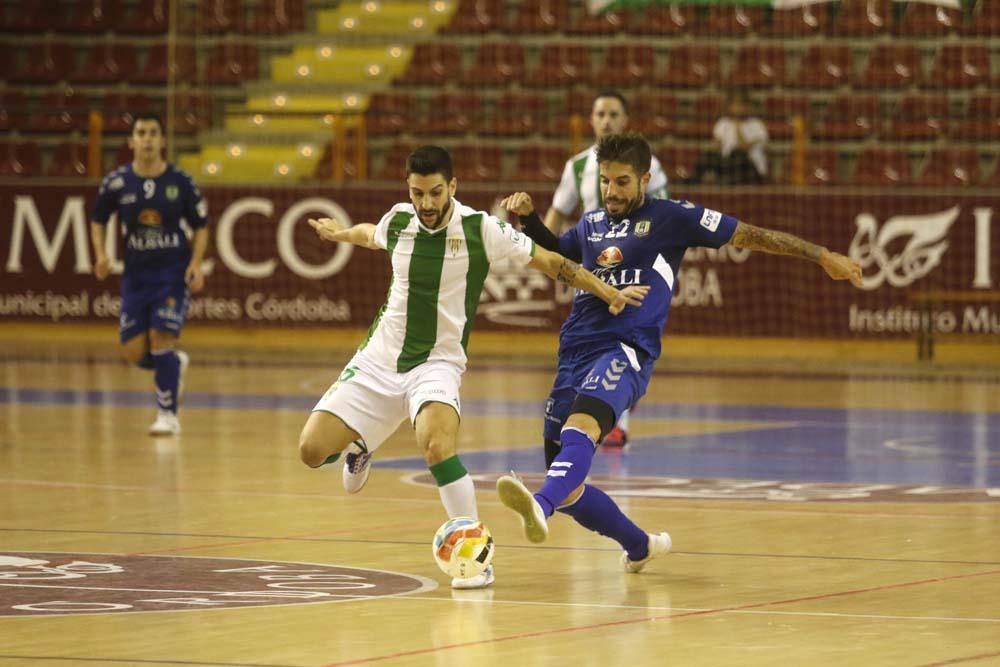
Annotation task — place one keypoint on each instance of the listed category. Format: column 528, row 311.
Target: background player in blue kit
column 605, row 363
column 157, row 205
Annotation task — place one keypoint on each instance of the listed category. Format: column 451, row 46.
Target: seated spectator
column 739, row 158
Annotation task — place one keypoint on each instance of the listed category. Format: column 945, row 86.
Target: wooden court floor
column 824, row 511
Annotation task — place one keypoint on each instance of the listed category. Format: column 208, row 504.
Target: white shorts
column 374, row 400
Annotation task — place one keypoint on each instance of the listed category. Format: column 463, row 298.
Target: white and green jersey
column 437, row 281
column 581, row 181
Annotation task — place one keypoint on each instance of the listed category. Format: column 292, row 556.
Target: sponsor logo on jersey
column 456, row 245
column 642, row 228
column 710, row 219
column 172, row 192
column 150, row 217
column 594, row 237
column 596, row 216
column 610, row 257
column 116, row 183
column 127, row 199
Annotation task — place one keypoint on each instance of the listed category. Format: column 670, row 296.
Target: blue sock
column 567, row 471
column 166, row 376
column 596, row 511
column 146, row 363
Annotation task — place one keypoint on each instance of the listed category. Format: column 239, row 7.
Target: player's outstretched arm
column 567, row 271
column 331, row 229
column 837, row 266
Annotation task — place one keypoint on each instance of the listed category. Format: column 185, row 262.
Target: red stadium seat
column 539, row 164
column 863, row 18
column 219, row 16
column 157, row 71
column 608, row 23
column 13, row 110
column 951, row 167
column 93, row 16
column 923, row 20
column 848, row 118
column 390, row 112
column 193, row 113
column 758, row 67
column 666, row 21
column 20, row 159
column 119, row 109
column 324, row 167
column 981, row 121
column 477, row 17
column 628, row 65
column 678, row 162
column 540, row 16
column 799, row 22
column 432, row 64
column 477, row 162
column 35, row 16
column 452, row 114
column 46, row 62
column 232, row 62
column 823, row 66
column 732, row 21
column 821, row 166
column 882, row 167
column 654, row 115
column 60, row 111
column 69, row 160
column 984, row 19
column 891, row 66
column 108, row 62
column 562, row 65
column 497, row 64
column 279, row 17
column 918, row 118
column 706, row 111
column 691, row 66
column 517, row 114
column 394, row 161
column 151, row 17
column 779, row 112
column 960, row 66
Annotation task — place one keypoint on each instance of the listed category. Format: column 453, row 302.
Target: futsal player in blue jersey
column 158, row 208
column 605, row 363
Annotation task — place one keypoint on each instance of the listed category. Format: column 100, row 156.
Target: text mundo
column 257, row 306
column 72, row 230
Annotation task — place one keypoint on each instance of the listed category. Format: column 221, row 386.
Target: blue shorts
column 162, row 306
column 617, row 375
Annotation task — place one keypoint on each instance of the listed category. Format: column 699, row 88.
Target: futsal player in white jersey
column 580, row 188
column 411, row 363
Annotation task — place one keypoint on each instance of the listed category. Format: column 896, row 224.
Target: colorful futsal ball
column 463, row 547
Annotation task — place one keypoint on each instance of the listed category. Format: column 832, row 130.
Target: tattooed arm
column 566, row 271
column 837, row 266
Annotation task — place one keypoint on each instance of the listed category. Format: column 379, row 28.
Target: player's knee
column 438, row 448
column 312, row 451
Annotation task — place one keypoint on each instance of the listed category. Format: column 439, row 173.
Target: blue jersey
column 644, row 248
column 152, row 212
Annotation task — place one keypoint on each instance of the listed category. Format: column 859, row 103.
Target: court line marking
column 140, row 661
column 646, row 619
column 967, row 658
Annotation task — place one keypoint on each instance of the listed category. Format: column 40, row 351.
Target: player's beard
column 439, row 216
column 630, row 205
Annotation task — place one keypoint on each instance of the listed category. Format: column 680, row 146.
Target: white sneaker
column 357, row 465
column 166, row 424
column 481, row 580
column 185, row 360
column 659, row 545
column 517, row 497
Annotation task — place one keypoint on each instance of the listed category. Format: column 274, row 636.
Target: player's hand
column 102, row 267
column 840, row 267
column 329, row 229
column 194, row 278
column 519, row 202
column 628, row 296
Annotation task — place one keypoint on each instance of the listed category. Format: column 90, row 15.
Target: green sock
column 332, row 458
column 448, row 471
